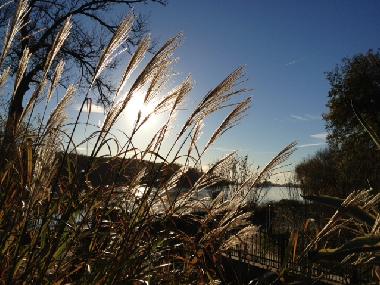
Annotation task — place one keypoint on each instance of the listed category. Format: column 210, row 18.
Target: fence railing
column 273, row 252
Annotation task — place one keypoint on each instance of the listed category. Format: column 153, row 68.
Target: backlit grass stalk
column 62, row 220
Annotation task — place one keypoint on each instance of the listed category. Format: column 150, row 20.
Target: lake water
column 274, row 194
column 269, row 194
column 261, row 195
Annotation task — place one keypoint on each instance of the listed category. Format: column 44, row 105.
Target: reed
column 58, row 226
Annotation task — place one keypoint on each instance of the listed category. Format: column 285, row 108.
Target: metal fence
column 274, row 253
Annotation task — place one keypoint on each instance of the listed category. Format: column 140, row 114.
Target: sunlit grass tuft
column 66, row 218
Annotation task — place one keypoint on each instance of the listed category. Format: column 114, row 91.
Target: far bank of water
column 267, row 194
column 277, row 193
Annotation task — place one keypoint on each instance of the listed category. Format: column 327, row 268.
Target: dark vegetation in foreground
column 116, row 171
column 346, row 175
column 64, row 218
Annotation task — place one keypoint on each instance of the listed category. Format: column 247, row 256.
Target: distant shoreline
column 282, row 185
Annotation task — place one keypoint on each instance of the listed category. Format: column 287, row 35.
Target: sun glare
column 137, row 105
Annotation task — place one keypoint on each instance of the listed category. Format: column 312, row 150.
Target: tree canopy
column 355, row 90
column 352, row 160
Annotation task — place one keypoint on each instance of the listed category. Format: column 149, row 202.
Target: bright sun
column 136, row 105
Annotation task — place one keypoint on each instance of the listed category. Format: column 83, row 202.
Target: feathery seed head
column 58, row 43
column 215, row 99
column 18, row 22
column 118, row 38
column 56, row 78
column 134, row 62
column 231, row 120
column 4, row 76
column 23, row 64
column 175, row 97
column 162, row 57
column 58, row 113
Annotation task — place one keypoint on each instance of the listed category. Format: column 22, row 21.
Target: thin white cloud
column 222, row 149
column 265, row 152
column 294, row 61
column 312, row 117
column 320, row 136
column 291, row 62
column 310, row 145
column 306, row 117
column 94, row 108
column 297, row 117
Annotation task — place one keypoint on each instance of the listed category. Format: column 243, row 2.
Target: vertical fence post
column 260, row 248
column 251, row 251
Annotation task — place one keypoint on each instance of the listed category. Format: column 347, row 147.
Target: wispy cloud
column 306, row 117
column 313, row 117
column 300, row 118
column 265, row 152
column 291, row 62
column 320, row 136
column 294, row 61
column 94, row 108
column 310, row 145
column 222, row 149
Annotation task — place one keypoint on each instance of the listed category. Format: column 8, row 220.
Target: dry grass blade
column 241, row 236
column 277, row 160
column 4, row 76
column 56, row 79
column 126, row 217
column 232, row 220
column 133, row 187
column 160, row 77
column 134, row 62
column 171, row 185
column 155, row 142
column 174, row 179
column 161, row 58
column 46, row 164
column 29, row 147
column 37, row 92
column 252, row 181
column 230, row 121
column 119, row 37
column 23, row 64
column 175, row 97
column 17, row 24
column 364, row 200
column 215, row 99
column 58, row 43
column 211, row 176
column 196, row 135
column 58, row 112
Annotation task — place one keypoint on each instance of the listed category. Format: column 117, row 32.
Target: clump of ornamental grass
column 60, row 224
column 352, row 234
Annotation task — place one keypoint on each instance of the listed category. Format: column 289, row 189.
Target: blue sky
column 286, row 46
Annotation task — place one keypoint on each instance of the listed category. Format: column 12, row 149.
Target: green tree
column 355, row 90
column 352, row 157
column 354, row 94
column 317, row 174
